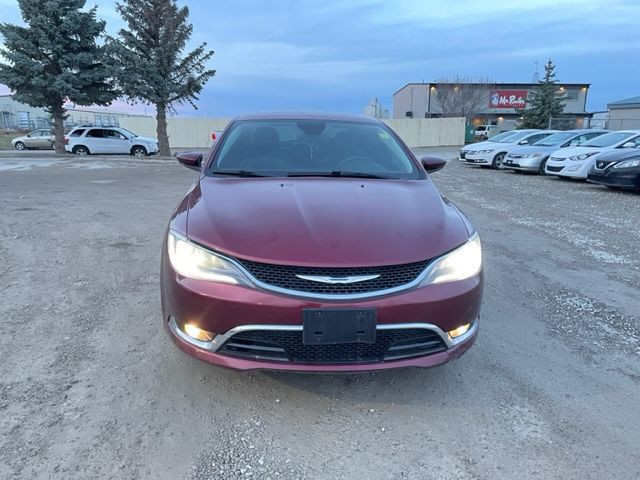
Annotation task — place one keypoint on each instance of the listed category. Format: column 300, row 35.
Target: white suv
column 87, row 140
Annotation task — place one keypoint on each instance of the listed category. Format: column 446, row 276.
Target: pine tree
column 55, row 58
column 545, row 101
column 151, row 63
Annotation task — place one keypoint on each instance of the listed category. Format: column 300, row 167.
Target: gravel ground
column 91, row 387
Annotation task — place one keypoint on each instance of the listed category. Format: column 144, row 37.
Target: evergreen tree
column 545, row 101
column 151, row 64
column 55, row 58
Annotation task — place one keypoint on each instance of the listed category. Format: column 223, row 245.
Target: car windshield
column 312, row 148
column 514, row 137
column 128, row 133
column 608, row 139
column 501, row 136
column 555, row 139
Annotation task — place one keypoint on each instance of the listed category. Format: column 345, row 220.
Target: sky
column 337, row 55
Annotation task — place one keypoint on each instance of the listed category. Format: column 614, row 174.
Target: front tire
column 20, row 146
column 542, row 166
column 497, row 161
column 81, row 150
column 139, row 152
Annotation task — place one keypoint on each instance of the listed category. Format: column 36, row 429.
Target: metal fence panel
column 196, row 132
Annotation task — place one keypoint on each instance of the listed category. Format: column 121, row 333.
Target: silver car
column 533, row 158
column 41, row 139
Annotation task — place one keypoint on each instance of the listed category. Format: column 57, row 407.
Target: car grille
column 554, row 169
column 284, row 276
column 287, row 346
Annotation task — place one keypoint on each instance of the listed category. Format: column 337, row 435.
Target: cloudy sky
column 336, row 55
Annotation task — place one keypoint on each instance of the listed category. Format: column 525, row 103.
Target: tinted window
column 536, row 138
column 608, row 139
column 555, row 139
column 514, row 137
column 501, row 136
column 113, row 134
column 77, row 133
column 95, row 133
column 300, row 147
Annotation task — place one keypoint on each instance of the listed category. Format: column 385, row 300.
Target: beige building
column 499, row 102
column 624, row 114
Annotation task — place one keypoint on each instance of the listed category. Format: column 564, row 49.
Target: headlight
column 193, row 261
column 628, row 164
column 462, row 263
column 531, row 155
column 583, row 156
column 484, row 151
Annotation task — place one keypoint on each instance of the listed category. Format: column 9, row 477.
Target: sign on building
column 508, row 99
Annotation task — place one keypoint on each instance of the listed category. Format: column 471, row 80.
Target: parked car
column 109, row 140
column 577, row 161
column 493, row 154
column 472, row 147
column 486, row 131
column 42, row 138
column 318, row 242
column 533, row 158
column 617, row 169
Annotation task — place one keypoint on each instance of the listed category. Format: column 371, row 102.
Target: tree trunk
column 161, row 130
column 58, row 129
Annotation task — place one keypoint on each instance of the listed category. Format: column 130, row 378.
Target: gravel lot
column 91, row 387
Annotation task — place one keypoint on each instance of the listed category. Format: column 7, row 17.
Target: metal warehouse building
column 498, row 102
column 624, row 114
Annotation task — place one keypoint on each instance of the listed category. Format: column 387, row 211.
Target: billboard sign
column 508, row 99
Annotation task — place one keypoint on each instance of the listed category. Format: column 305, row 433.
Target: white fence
column 196, row 132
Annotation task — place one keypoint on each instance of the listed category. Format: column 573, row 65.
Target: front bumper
column 228, row 309
column 524, row 164
column 628, row 178
column 569, row 169
column 478, row 159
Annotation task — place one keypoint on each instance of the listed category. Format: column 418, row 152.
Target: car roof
column 306, row 116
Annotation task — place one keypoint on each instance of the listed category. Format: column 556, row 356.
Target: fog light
column 198, row 333
column 461, row 330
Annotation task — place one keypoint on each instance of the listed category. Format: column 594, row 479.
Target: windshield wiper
column 238, row 173
column 337, row 173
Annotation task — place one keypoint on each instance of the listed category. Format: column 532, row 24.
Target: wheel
column 139, row 151
column 81, row 150
column 20, row 146
column 497, row 161
column 543, row 164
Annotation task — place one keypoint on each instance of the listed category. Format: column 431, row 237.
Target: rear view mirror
column 432, row 164
column 192, row 160
column 629, row 145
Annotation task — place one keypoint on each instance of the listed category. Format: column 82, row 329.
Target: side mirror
column 523, row 142
column 192, row 160
column 629, row 145
column 432, row 164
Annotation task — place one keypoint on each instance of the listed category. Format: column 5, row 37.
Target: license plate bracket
column 324, row 326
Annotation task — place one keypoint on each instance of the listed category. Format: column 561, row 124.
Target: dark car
column 617, row 169
column 319, row 243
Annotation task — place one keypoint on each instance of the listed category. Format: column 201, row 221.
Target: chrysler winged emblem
column 336, row 280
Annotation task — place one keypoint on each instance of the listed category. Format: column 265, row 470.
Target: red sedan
column 319, row 243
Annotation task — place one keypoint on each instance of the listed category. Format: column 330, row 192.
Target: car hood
column 527, row 149
column 479, row 145
column 145, row 139
column 323, row 222
column 573, row 151
column 620, row 154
